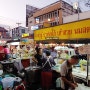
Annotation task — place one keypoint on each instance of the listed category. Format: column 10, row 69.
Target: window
column 51, row 14
column 58, row 12
column 55, row 12
column 55, row 23
column 37, row 19
column 48, row 15
column 12, row 31
column 44, row 16
column 41, row 18
column 23, row 30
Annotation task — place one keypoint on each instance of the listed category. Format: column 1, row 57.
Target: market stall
column 22, row 51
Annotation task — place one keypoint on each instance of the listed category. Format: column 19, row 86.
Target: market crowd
column 45, row 59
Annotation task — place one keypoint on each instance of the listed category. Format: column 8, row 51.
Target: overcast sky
column 13, row 11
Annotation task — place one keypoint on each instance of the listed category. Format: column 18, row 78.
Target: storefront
column 75, row 32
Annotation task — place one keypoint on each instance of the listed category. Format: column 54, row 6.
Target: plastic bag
column 58, row 83
column 82, row 87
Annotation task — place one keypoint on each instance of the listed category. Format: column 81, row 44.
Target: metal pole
column 18, row 24
column 87, row 68
column 78, row 10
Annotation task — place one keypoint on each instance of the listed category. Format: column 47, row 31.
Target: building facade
column 53, row 14
column 30, row 22
column 3, row 33
column 18, row 32
column 76, row 17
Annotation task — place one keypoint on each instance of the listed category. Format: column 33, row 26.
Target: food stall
column 75, row 32
column 81, row 71
column 22, row 51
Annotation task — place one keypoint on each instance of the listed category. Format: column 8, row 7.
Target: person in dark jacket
column 38, row 56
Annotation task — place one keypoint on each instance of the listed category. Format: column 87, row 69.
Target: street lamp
column 76, row 6
column 49, row 19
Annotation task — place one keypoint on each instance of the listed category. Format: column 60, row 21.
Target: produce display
column 83, row 62
column 64, row 52
column 24, row 54
column 61, row 61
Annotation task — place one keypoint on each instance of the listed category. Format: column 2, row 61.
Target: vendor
column 31, row 52
column 67, row 80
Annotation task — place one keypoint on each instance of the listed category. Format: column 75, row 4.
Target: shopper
column 67, row 81
column 38, row 56
column 53, row 52
column 7, row 52
column 46, row 75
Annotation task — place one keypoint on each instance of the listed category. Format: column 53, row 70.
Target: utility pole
column 18, row 24
column 78, row 8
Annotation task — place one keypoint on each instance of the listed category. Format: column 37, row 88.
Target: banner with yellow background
column 75, row 30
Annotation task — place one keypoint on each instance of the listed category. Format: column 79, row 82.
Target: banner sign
column 75, row 30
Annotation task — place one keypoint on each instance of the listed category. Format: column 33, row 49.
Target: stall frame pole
column 87, row 69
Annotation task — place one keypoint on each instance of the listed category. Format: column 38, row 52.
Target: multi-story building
column 3, row 33
column 18, row 32
column 29, row 12
column 53, row 14
column 30, row 22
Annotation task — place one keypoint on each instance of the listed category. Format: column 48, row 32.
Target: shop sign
column 34, row 27
column 85, row 49
column 25, row 35
column 75, row 30
column 46, row 24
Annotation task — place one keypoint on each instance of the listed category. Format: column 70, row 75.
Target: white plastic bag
column 58, row 83
column 82, row 87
